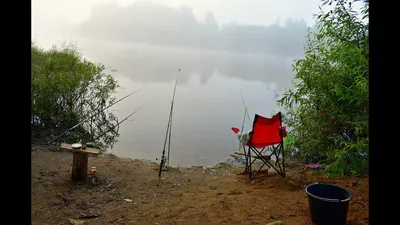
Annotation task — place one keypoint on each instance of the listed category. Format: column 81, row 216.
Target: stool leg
column 79, row 166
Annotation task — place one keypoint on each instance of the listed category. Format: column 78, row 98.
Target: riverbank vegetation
column 66, row 89
column 328, row 108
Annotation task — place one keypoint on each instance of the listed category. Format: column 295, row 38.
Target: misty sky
column 54, row 15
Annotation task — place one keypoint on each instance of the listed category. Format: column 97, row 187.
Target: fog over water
column 220, row 50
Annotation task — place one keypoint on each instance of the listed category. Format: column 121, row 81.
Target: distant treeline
column 147, row 22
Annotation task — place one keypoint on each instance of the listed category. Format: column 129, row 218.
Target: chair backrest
column 267, row 131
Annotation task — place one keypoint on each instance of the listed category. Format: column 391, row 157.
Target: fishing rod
column 168, row 133
column 170, row 119
column 70, row 129
column 111, row 104
column 245, row 110
column 117, row 123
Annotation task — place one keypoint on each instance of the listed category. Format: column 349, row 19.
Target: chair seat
column 265, row 156
column 261, row 145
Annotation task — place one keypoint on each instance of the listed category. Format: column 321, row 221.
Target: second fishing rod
column 168, row 132
column 88, row 117
column 246, row 112
column 102, row 134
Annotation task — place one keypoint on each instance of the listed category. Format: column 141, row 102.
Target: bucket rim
column 329, row 199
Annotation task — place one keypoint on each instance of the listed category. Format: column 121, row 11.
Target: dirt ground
column 125, row 191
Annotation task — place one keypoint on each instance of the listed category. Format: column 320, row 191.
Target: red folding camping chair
column 266, row 133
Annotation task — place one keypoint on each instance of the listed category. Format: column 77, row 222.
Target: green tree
column 65, row 89
column 328, row 108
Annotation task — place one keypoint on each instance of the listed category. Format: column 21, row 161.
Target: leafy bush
column 328, row 108
column 288, row 144
column 65, row 89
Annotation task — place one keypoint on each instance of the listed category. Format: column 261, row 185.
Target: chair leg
column 249, row 165
column 246, row 158
column 277, row 166
column 251, row 174
column 277, row 152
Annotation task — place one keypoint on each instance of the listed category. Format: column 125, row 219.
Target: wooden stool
column 80, row 160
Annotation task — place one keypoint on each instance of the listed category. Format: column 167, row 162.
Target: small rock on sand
column 76, row 222
column 275, row 223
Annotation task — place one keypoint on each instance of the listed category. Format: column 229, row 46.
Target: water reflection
column 207, row 104
column 157, row 64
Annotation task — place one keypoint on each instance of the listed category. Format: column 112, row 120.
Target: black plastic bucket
column 328, row 204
